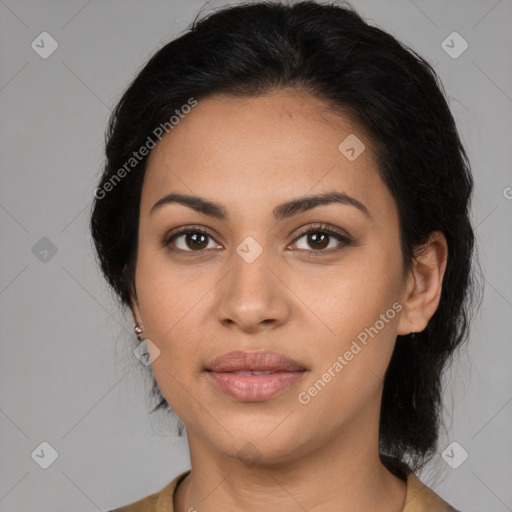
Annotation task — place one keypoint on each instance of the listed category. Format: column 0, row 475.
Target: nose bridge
column 251, row 267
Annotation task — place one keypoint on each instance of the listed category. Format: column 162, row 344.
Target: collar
column 419, row 497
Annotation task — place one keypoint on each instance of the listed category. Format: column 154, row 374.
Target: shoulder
column 161, row 501
column 421, row 498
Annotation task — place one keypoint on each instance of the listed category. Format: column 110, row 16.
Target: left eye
column 320, row 239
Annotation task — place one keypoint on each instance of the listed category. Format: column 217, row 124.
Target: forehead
column 261, row 150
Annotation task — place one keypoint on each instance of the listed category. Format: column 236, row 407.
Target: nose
column 252, row 297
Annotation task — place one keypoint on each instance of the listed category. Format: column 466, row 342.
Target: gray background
column 67, row 373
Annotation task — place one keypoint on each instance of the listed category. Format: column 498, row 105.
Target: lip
column 253, row 361
column 230, row 373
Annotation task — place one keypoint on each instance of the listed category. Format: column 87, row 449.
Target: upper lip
column 253, row 361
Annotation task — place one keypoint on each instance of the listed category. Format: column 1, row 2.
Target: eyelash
column 321, row 228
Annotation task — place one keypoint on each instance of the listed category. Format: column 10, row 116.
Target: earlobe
column 424, row 285
column 138, row 325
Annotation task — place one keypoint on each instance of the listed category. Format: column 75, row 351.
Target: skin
column 251, row 155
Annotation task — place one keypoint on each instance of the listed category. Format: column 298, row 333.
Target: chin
column 254, row 446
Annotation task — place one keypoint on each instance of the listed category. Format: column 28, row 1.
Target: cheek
column 347, row 298
column 356, row 312
column 165, row 295
column 350, row 365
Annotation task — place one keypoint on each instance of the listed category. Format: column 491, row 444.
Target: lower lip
column 254, row 388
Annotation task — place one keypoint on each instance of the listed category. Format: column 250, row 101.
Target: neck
column 343, row 474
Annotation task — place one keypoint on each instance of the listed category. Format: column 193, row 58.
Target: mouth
column 254, row 376
column 254, row 372
column 261, row 361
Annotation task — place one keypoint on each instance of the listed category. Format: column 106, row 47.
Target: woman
column 284, row 209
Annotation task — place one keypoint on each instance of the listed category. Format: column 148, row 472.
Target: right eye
column 188, row 239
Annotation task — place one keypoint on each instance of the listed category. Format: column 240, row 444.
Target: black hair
column 330, row 52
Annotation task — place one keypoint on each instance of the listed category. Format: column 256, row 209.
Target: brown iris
column 198, row 240
column 319, row 241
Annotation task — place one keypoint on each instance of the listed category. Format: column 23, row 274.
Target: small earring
column 413, row 335
column 137, row 329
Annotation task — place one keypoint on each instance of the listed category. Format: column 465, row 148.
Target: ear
column 134, row 307
column 422, row 291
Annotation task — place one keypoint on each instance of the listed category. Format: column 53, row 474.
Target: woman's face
column 256, row 283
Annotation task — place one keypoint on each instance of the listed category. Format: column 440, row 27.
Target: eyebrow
column 280, row 212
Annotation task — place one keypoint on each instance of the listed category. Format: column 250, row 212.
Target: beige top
column 419, row 498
